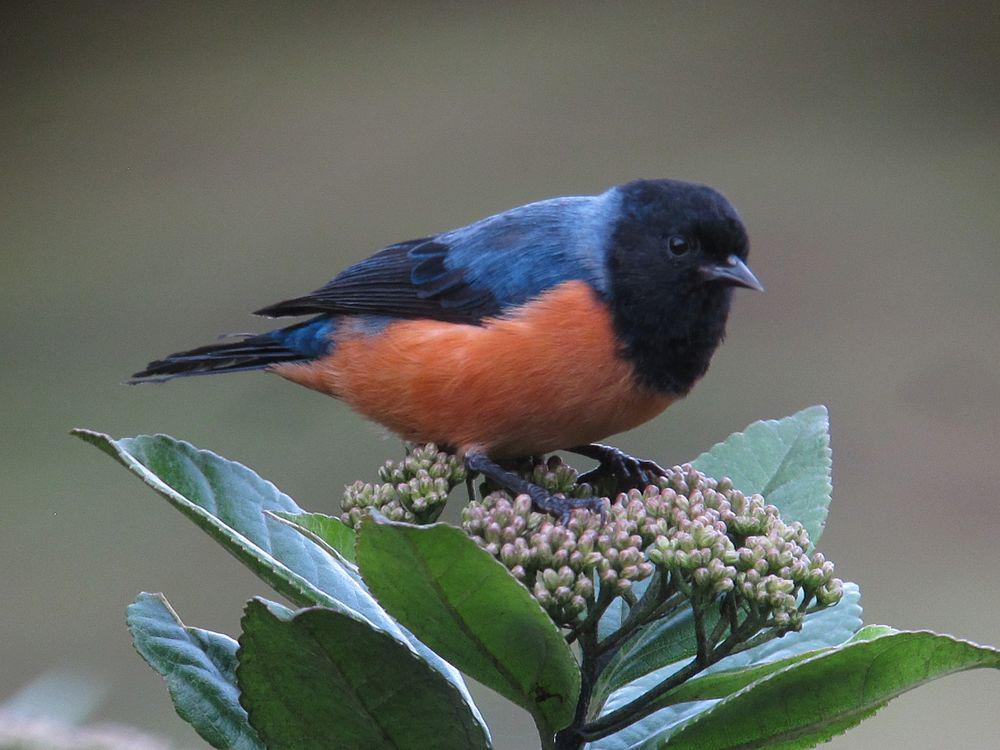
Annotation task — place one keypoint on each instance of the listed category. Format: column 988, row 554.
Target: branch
column 700, row 637
column 658, row 601
column 629, row 596
column 569, row 738
column 645, row 704
column 724, row 621
column 593, row 617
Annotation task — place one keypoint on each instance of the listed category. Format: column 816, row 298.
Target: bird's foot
column 628, row 472
column 562, row 507
column 541, row 499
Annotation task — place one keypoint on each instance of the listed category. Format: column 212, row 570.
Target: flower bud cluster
column 717, row 540
column 551, row 474
column 559, row 563
column 557, row 477
column 707, row 537
column 414, row 489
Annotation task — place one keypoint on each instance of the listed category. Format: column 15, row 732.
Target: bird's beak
column 734, row 272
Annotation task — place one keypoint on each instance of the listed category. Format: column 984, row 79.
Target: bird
column 550, row 326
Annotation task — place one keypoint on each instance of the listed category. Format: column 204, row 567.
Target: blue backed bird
column 547, row 327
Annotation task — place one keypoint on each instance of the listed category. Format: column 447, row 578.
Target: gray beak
column 733, row 272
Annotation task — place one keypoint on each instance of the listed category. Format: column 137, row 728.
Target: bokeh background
column 166, row 168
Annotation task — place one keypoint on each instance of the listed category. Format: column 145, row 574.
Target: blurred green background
column 166, row 168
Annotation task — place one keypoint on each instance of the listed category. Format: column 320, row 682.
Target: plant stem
column 569, row 738
column 723, row 623
column 590, row 667
column 732, row 611
column 593, row 617
column 658, row 601
column 700, row 636
column 667, row 607
column 545, row 735
column 646, row 704
column 768, row 635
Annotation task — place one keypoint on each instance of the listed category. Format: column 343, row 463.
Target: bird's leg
column 627, row 471
column 541, row 499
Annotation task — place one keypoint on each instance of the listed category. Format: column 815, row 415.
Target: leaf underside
column 788, row 461
column 200, row 670
column 822, row 696
column 307, row 677
column 231, row 503
column 660, row 646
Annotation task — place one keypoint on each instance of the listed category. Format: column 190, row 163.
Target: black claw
column 653, row 470
column 592, row 504
column 599, row 506
column 591, row 477
column 626, row 471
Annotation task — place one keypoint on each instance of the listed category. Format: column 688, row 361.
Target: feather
column 296, row 343
column 477, row 272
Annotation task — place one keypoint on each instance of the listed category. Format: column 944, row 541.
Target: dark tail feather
column 252, row 353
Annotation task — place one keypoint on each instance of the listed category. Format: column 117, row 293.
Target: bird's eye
column 678, row 244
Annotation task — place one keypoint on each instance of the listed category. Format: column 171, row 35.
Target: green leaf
column 654, row 646
column 646, row 732
column 465, row 604
column 229, row 502
column 720, row 684
column 199, row 668
column 665, row 642
column 788, row 461
column 828, row 627
column 319, row 678
column 327, row 531
column 871, row 632
column 616, row 613
column 662, row 647
column 824, row 695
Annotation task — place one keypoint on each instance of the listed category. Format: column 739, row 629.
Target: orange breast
column 548, row 376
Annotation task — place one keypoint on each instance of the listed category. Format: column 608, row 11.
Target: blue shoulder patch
column 311, row 339
column 522, row 252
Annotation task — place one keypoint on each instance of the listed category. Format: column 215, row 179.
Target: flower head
column 709, row 541
column 414, row 489
column 707, row 538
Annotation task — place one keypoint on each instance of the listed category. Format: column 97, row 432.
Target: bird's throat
column 670, row 339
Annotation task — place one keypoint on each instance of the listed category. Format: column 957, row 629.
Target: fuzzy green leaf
column 616, row 614
column 319, row 679
column 653, row 647
column 822, row 696
column 326, row 530
column 788, row 461
column 230, row 503
column 663, row 643
column 832, row 626
column 199, row 668
column 227, row 500
column 465, row 604
column 726, row 678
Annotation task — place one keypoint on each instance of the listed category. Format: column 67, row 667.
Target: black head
column 677, row 251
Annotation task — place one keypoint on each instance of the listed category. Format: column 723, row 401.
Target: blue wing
column 478, row 271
